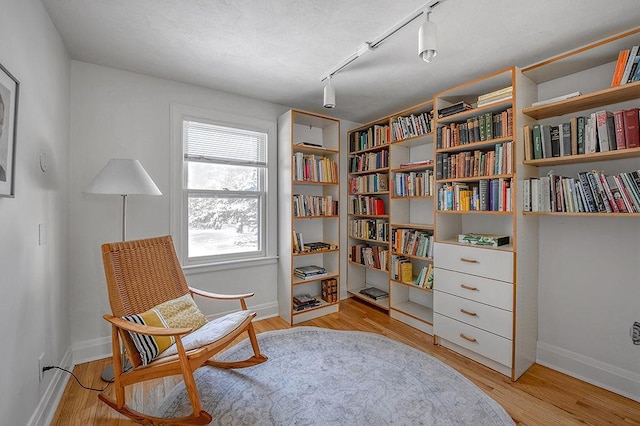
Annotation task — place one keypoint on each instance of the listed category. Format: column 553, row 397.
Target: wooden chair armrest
column 145, row 329
column 219, row 296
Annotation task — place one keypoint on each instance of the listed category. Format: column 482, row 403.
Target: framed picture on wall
column 9, row 88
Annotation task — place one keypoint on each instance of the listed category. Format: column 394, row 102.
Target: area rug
column 316, row 376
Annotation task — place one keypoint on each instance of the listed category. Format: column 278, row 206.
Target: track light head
column 329, row 95
column 427, row 39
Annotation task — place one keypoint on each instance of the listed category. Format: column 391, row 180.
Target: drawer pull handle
column 472, row 340
column 468, row 260
column 471, row 314
column 466, row 287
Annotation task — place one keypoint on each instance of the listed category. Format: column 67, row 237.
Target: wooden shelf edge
column 607, row 96
column 410, row 285
column 372, row 149
column 361, row 265
column 581, row 214
column 585, row 158
column 506, row 247
column 297, row 281
column 425, row 227
column 368, row 172
column 475, row 178
column 377, row 302
column 479, row 144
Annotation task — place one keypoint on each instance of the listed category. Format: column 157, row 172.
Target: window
column 224, row 185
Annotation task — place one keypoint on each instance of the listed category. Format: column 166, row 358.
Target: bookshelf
column 309, row 188
column 368, row 211
column 411, row 215
column 484, row 298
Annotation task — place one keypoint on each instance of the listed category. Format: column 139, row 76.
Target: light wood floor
column 540, row 397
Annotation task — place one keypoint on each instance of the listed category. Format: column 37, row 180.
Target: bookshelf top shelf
column 608, row 96
column 585, row 158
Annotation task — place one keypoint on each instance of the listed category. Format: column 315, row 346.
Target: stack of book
column 304, row 301
column 453, row 109
column 374, row 293
column 495, row 96
column 318, row 246
column 330, row 290
column 310, row 272
column 627, row 70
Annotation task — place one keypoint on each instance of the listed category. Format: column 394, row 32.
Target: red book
column 618, row 122
column 379, row 206
column 631, row 128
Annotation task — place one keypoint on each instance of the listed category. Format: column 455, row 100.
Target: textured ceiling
column 277, row 50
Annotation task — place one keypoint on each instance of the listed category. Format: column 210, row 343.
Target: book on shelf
column 304, row 301
column 374, row 293
column 485, row 240
column 310, row 272
column 453, row 109
column 318, row 246
column 633, row 52
column 631, row 127
column 495, row 96
column 557, row 99
column 406, row 272
column 623, row 55
column 606, row 131
column 329, row 290
column 311, row 144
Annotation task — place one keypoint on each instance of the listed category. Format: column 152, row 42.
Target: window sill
column 227, row 265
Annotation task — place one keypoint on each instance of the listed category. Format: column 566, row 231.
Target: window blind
column 212, row 143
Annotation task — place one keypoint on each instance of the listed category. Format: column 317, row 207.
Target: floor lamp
column 122, row 177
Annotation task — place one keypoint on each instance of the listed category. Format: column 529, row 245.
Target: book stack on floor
column 330, row 290
column 304, row 301
column 310, row 272
column 374, row 293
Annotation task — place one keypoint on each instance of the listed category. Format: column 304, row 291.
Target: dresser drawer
column 485, row 317
column 483, row 290
column 479, row 341
column 484, row 262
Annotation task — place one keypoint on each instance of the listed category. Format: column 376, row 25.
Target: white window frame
column 179, row 191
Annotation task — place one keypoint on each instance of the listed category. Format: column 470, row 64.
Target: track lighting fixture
column 427, row 39
column 329, row 95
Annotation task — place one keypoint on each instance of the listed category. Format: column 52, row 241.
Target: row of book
column 314, row 205
column 452, row 109
column 329, row 290
column 366, row 205
column 401, row 269
column 299, row 246
column 369, row 229
column 412, row 125
column 626, row 70
column 375, row 182
column 309, row 272
column 483, row 127
column 475, row 163
column 413, row 184
column 375, row 256
column 601, row 131
column 369, row 161
column 378, row 134
column 590, row 192
column 314, row 168
column 414, row 242
column 485, row 195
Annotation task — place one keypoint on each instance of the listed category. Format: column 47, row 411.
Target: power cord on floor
column 51, row 367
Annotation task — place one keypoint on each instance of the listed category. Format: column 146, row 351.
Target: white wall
column 34, row 279
column 116, row 114
column 589, row 294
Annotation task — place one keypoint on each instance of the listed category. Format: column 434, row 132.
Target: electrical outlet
column 40, row 366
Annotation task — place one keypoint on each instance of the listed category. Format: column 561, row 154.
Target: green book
column 537, row 142
column 483, row 135
column 488, row 122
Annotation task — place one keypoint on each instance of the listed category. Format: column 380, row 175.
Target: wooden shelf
column 372, row 216
column 308, row 253
column 412, row 256
column 581, row 214
column 351, row 262
column 372, row 149
column 411, row 197
column 332, row 216
column 297, row 281
column 475, row 145
column 608, row 96
column 396, row 225
column 310, row 182
column 411, row 285
column 585, row 158
column 313, row 150
column 412, row 168
column 381, row 303
column 368, row 240
column 370, row 193
column 367, row 172
column 491, row 212
column 474, row 178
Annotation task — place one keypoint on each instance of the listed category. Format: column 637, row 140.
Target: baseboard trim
column 46, row 409
column 99, row 348
column 607, row 376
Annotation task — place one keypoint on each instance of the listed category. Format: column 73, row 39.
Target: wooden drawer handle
column 466, row 287
column 468, row 338
column 468, row 260
column 471, row 314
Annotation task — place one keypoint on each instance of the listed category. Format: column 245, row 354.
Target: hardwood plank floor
column 540, row 397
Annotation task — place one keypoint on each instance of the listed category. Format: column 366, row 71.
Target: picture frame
column 9, row 94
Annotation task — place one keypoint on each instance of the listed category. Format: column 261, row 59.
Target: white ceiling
column 277, row 50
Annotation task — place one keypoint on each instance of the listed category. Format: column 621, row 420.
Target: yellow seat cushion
column 180, row 312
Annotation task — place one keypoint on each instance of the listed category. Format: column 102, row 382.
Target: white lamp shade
column 122, row 177
column 427, row 40
column 329, row 95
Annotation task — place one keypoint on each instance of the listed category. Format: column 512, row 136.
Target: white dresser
column 474, row 303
